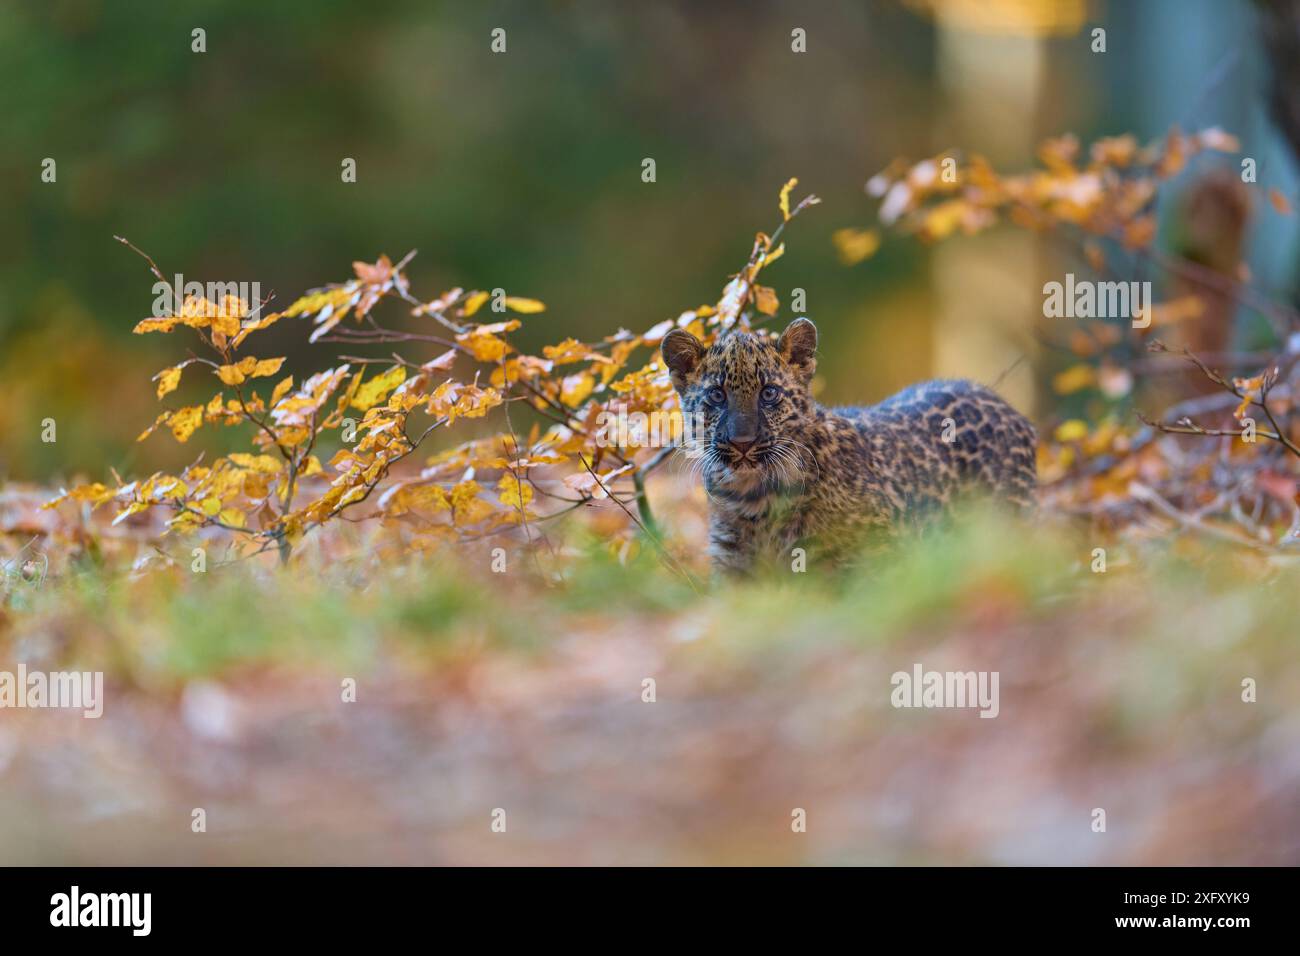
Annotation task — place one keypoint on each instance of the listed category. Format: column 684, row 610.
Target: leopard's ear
column 798, row 346
column 681, row 352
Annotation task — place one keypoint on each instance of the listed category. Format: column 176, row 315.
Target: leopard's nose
column 742, row 446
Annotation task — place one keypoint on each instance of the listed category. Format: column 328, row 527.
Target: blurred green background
column 522, row 170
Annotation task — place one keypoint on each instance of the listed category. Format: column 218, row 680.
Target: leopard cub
column 781, row 471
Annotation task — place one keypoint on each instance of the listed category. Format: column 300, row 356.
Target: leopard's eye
column 769, row 395
column 715, row 396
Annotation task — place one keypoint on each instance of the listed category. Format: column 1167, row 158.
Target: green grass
column 172, row 625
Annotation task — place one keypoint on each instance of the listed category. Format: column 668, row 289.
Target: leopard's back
column 938, row 438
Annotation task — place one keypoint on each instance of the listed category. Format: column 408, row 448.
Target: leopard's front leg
column 734, row 541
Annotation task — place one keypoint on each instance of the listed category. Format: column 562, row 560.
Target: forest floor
column 525, row 692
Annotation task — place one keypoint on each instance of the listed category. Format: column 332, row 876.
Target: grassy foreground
column 481, row 691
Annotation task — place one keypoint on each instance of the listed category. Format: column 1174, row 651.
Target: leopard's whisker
column 802, row 449
column 783, row 462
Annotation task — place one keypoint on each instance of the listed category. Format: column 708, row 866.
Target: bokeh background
column 523, row 170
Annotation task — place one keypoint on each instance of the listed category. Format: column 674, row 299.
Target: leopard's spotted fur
column 783, row 472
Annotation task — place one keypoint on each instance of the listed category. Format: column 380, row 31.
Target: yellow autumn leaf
column 247, row 368
column 1072, row 430
column 371, row 393
column 229, row 315
column 184, row 422
column 93, row 494
column 197, row 312
column 424, row 497
column 785, row 198
column 526, row 306
column 168, row 379
column 474, row 303
column 281, row 389
column 943, row 219
column 268, row 464
column 1073, row 379
column 466, row 506
column 134, row 508
column 256, row 485
column 236, row 373
column 155, row 325
column 513, row 492
column 265, row 367
column 162, row 417
column 484, row 346
column 260, row 323
column 575, row 388
column 162, row 488
column 571, row 350
column 455, row 400
column 855, row 245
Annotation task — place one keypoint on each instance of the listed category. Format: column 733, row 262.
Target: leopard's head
column 747, row 403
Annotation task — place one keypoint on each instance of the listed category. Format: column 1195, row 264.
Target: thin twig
column 671, row 562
